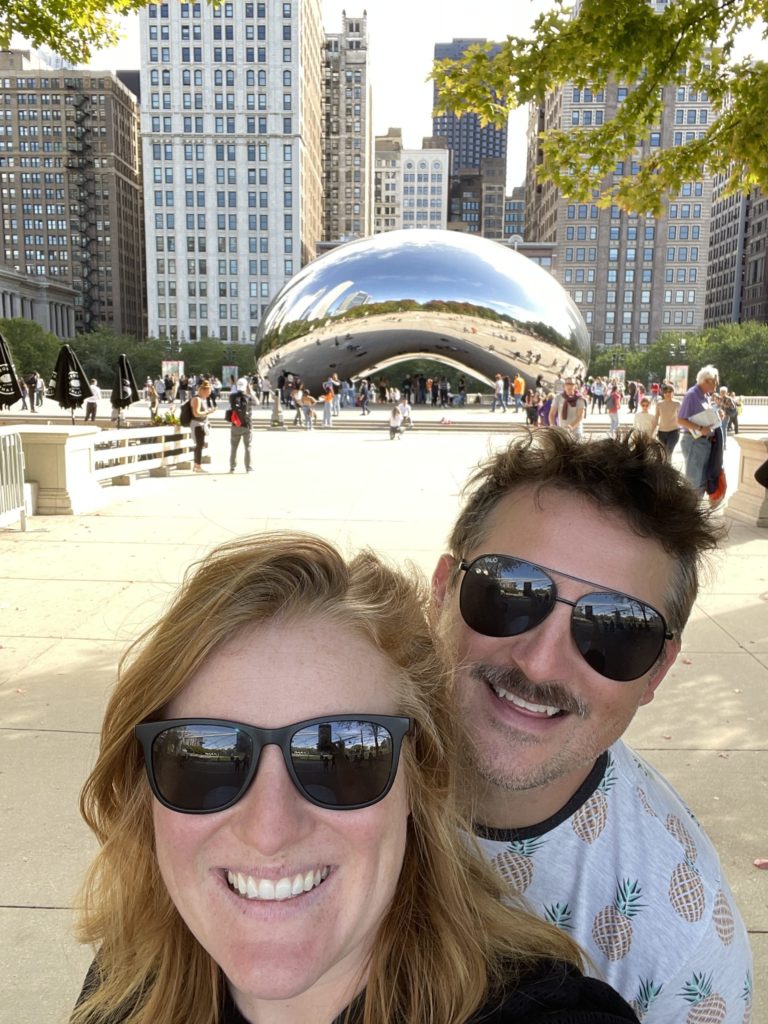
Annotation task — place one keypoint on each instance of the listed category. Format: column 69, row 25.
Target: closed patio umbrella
column 124, row 390
column 69, row 385
column 10, row 391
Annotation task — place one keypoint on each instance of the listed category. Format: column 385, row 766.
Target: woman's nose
column 272, row 816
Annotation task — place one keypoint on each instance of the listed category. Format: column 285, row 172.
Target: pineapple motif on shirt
column 591, row 818
column 686, row 890
column 707, row 1007
column 515, row 864
column 647, row 994
column 612, row 928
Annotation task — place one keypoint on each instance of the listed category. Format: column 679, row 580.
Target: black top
column 551, row 993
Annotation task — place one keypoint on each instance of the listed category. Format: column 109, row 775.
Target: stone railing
column 70, row 464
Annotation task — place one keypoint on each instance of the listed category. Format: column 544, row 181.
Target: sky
column 402, row 35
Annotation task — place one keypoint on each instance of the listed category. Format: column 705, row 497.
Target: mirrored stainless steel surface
column 469, row 302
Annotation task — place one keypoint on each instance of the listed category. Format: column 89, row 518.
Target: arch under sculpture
column 465, row 301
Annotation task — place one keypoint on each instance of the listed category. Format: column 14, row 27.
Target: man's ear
column 665, row 663
column 441, row 579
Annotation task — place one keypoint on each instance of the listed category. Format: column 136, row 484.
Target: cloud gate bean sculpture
column 465, row 301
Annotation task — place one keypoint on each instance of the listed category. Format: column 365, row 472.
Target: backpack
column 240, row 411
column 185, row 413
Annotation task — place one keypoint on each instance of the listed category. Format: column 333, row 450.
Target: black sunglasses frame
column 666, row 634
column 147, row 733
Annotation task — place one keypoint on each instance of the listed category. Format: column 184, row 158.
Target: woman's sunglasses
column 204, row 765
column 617, row 635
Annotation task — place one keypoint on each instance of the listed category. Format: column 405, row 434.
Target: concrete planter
column 749, row 504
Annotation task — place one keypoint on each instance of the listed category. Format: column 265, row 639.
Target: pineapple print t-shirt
column 626, row 870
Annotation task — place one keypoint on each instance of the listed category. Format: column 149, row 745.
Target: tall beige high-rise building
column 631, row 276
column 231, row 130
column 72, row 210
column 347, row 133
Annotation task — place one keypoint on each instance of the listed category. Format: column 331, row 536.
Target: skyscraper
column 231, row 127
column 347, row 133
column 468, row 141
column 71, row 192
column 631, row 276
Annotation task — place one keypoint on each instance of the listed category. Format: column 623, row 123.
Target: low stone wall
column 749, row 503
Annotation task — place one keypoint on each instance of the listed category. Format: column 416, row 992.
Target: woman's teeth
column 283, row 889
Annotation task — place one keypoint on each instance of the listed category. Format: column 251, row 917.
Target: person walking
column 644, row 419
column 364, row 395
column 612, row 406
column 667, row 429
column 498, row 394
column 240, row 423
column 518, row 391
column 329, row 400
column 32, row 390
column 699, row 420
column 307, row 403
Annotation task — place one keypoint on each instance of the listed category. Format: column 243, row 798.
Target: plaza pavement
column 74, row 590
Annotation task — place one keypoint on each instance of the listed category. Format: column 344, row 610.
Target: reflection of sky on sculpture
column 425, row 265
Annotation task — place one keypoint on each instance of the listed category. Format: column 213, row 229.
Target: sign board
column 619, row 376
column 226, row 373
column 678, row 377
column 171, row 366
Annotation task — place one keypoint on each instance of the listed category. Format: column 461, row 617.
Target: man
column 240, row 423
column 92, row 401
column 498, row 394
column 569, row 409
column 518, row 390
column 699, row 421
column 553, row 663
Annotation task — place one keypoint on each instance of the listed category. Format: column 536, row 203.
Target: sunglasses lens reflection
column 619, row 637
column 201, row 767
column 502, row 596
column 204, row 768
column 342, row 764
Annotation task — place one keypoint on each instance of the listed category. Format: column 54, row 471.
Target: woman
column 666, row 419
column 200, row 413
column 295, row 873
column 644, row 419
column 532, row 401
column 153, row 399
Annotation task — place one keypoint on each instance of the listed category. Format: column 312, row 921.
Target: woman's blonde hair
column 447, row 941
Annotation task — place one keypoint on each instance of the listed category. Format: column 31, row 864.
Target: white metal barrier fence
column 12, row 506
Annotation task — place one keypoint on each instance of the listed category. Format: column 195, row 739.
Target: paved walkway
column 73, row 591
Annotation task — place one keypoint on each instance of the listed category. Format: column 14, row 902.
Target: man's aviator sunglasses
column 619, row 636
column 204, row 765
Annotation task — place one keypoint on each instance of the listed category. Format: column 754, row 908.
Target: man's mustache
column 510, row 678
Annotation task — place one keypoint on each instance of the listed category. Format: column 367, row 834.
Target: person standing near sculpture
column 240, row 423
column 569, row 409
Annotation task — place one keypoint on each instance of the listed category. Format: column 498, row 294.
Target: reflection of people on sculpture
column 286, row 891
